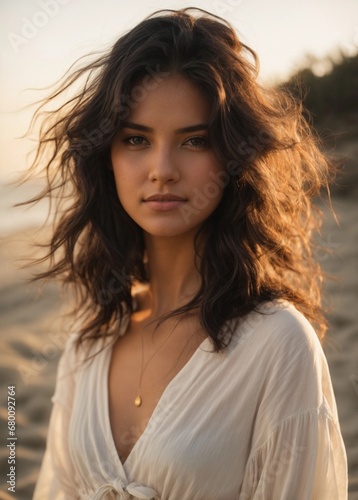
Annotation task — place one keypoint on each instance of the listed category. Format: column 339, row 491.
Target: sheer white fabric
column 258, row 422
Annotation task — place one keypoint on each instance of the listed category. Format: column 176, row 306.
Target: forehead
column 174, row 97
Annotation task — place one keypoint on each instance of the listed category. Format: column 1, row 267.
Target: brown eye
column 135, row 140
column 197, row 142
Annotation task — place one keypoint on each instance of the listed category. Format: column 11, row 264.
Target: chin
column 169, row 231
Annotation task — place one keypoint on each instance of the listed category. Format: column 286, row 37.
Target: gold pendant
column 138, row 400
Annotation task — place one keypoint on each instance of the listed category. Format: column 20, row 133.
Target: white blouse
column 257, row 422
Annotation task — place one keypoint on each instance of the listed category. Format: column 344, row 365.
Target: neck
column 173, row 277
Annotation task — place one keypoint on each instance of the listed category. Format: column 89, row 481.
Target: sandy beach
column 33, row 335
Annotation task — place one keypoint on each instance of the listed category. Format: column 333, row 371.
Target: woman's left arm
column 297, row 451
column 304, row 459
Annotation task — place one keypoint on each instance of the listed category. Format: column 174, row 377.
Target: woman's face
column 167, row 176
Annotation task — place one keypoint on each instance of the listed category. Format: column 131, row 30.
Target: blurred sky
column 41, row 38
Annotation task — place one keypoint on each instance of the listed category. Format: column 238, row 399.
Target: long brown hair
column 258, row 242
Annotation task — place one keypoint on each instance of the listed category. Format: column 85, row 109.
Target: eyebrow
column 144, row 128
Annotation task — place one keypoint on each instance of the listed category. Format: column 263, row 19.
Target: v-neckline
column 156, row 409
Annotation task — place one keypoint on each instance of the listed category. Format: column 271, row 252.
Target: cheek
column 124, row 172
column 122, row 182
column 209, row 178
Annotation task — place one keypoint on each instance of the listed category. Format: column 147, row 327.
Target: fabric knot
column 116, row 490
column 137, row 490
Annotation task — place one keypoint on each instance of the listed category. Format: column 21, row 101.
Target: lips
column 164, row 197
column 164, row 202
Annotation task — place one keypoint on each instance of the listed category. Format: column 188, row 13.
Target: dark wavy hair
column 258, row 242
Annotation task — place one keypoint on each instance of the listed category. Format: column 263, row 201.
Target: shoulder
column 75, row 357
column 276, row 326
column 285, row 359
column 71, row 359
column 283, row 351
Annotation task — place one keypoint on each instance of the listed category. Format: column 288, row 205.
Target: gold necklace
column 138, row 400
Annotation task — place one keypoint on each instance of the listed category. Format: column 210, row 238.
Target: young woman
column 194, row 373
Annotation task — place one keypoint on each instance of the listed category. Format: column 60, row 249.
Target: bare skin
column 174, row 349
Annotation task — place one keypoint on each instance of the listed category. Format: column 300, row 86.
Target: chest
column 202, row 426
column 142, row 366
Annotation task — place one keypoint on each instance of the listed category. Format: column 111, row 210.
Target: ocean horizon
column 14, row 219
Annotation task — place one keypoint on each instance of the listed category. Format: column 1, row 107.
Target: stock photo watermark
column 247, row 150
column 50, row 351
column 11, row 439
column 119, row 281
column 274, row 469
column 108, row 468
column 325, row 247
column 225, row 7
column 126, row 102
column 33, row 24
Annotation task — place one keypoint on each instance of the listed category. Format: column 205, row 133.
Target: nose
column 163, row 166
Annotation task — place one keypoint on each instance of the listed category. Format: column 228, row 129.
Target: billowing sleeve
column 56, row 479
column 304, row 459
column 297, row 450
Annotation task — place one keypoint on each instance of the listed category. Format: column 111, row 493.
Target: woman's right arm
column 56, row 478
